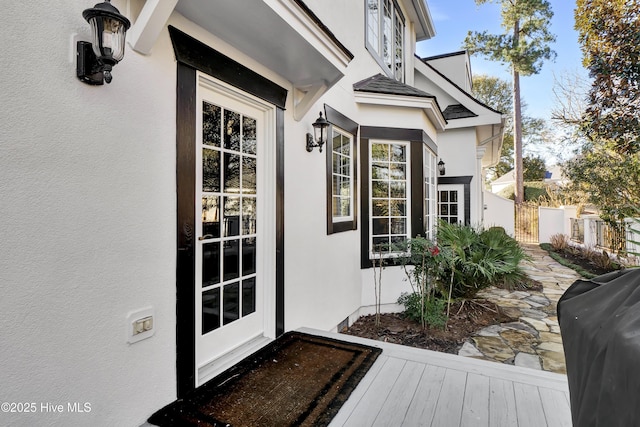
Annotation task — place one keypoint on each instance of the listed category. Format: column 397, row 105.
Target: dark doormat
column 297, row 380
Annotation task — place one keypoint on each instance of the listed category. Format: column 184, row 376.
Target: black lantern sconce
column 319, row 138
column 108, row 29
column 441, row 167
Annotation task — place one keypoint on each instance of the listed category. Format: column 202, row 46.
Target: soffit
column 283, row 35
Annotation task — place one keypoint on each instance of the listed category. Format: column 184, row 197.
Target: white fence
column 498, row 211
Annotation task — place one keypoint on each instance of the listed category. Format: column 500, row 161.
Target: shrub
column 477, row 259
column 559, row 242
column 533, row 191
column 431, row 313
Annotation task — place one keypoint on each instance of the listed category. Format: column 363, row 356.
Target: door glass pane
column 248, row 296
column 380, row 208
column 248, row 135
column 248, row 256
column 210, row 170
column 210, row 264
column 210, row 310
column 380, row 189
column 248, row 175
column 210, row 216
column 211, row 125
column 231, row 130
column 380, row 226
column 398, row 189
column 231, row 303
column 249, row 215
column 231, row 173
column 231, row 259
column 231, row 216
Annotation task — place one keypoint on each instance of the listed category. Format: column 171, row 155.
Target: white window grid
column 342, row 178
column 391, row 236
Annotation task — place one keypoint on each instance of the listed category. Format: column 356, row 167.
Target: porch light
column 320, row 134
column 108, row 29
column 441, row 167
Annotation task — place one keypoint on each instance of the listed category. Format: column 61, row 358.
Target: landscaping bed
column 465, row 319
column 586, row 262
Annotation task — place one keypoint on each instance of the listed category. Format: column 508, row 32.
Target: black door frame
column 192, row 56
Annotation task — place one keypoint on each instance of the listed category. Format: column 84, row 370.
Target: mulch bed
column 585, row 263
column 466, row 319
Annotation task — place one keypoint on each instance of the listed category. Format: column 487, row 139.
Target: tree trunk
column 517, row 125
column 517, row 139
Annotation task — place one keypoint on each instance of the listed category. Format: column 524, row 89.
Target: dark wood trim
column 417, row 189
column 186, row 266
column 399, row 135
column 466, row 181
column 365, row 262
column 416, row 198
column 343, row 122
column 280, row 328
column 193, row 55
column 198, row 55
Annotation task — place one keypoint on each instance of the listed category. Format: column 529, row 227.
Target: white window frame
column 352, row 200
column 407, row 198
column 430, row 193
column 376, row 43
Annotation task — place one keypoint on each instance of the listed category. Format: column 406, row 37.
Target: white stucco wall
column 551, row 221
column 87, row 183
column 457, row 148
column 499, row 212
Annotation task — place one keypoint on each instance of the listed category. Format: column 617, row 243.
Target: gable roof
column 458, row 111
column 383, row 84
column 474, row 99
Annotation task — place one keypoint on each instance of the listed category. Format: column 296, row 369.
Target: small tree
column 422, row 267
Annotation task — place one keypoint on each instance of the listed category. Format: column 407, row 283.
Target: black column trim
column 280, row 326
column 365, row 262
column 186, row 265
column 466, row 181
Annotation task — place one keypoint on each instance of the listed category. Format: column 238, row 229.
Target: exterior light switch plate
column 140, row 325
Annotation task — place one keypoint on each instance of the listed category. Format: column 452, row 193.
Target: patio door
column 235, row 225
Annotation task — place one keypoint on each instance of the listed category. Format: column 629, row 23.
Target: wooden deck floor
column 413, row 387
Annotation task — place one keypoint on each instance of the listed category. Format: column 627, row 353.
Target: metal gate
column 526, row 223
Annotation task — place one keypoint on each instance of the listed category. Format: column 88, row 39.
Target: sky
column 454, row 18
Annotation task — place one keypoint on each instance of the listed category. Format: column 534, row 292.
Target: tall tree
column 524, row 46
column 498, row 94
column 609, row 34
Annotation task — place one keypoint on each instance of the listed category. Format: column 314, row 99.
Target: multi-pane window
column 430, row 194
column 342, row 199
column 385, row 35
column 449, row 205
column 389, row 183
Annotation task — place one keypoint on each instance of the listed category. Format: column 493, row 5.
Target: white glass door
column 235, row 225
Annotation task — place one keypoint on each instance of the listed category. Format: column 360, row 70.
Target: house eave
column 429, row 105
column 421, row 16
column 283, row 35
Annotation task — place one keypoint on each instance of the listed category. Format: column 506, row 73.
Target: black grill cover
column 600, row 324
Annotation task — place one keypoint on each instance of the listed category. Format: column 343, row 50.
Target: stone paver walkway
column 534, row 341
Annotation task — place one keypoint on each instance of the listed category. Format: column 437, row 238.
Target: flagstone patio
column 534, row 341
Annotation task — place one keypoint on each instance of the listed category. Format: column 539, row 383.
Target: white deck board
column 502, row 403
column 414, row 387
column 475, row 409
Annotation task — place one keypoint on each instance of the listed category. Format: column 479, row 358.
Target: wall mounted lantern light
column 108, row 29
column 319, row 138
column 441, row 167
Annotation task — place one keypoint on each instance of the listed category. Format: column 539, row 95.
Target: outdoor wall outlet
column 140, row 325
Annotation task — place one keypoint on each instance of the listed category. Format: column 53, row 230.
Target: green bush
column 532, row 191
column 433, row 310
column 476, row 259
